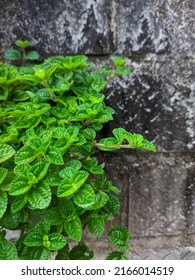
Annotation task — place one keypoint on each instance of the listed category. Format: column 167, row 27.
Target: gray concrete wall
column 157, row 100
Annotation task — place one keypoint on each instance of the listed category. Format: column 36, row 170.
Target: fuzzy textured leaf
column 25, row 155
column 19, row 186
column 6, row 152
column 32, row 55
column 3, row 173
column 56, row 242
column 35, row 253
column 71, row 184
column 12, row 220
column 12, row 55
column 8, row 250
column 116, row 255
column 54, row 156
column 100, row 200
column 96, row 224
column 40, row 196
column 3, row 202
column 53, row 216
column 35, row 236
column 73, row 228
column 119, row 237
column 19, row 203
column 85, row 196
column 81, row 252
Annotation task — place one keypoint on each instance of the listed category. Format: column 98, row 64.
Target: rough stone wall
column 157, row 100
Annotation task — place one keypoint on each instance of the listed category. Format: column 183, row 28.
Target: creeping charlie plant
column 51, row 185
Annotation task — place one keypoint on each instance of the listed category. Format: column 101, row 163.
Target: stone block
column 157, row 100
column 160, row 193
column 154, row 26
column 57, row 27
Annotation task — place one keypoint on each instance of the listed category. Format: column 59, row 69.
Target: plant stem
column 23, row 57
column 113, row 147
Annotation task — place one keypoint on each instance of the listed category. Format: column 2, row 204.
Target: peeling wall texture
column 157, row 100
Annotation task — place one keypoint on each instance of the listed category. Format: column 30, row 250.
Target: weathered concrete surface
column 157, row 100
column 57, row 27
column 148, row 249
column 158, row 205
column 155, row 26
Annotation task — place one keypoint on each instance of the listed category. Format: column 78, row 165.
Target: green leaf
column 60, row 86
column 35, row 143
column 19, row 186
column 22, row 170
column 67, row 208
column 92, row 166
column 43, row 95
column 89, row 133
column 11, row 135
column 40, row 169
column 39, row 72
column 34, row 253
column 96, row 77
column 118, row 61
column 3, row 93
column 12, row 220
column 142, row 144
column 54, row 156
column 104, row 115
column 108, row 144
column 96, row 224
column 32, row 179
column 106, row 69
column 22, row 44
column 3, row 202
column 7, row 181
column 8, row 250
column 12, row 55
column 122, row 70
column 116, row 255
column 53, row 216
column 72, row 183
column 112, row 206
column 3, row 174
column 73, row 228
column 85, row 196
column 73, row 62
column 119, row 237
column 56, row 241
column 137, row 141
column 120, row 134
column 63, row 254
column 81, row 252
column 18, row 203
column 50, row 70
column 20, row 96
column 60, row 132
column 100, row 200
column 75, row 164
column 32, row 55
column 35, row 236
column 6, row 152
column 39, row 197
column 68, row 173
column 25, row 155
column 52, row 178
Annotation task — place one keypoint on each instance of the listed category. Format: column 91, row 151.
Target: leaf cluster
column 51, row 185
column 21, row 54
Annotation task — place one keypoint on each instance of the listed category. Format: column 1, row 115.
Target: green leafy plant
column 52, row 186
column 21, row 55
